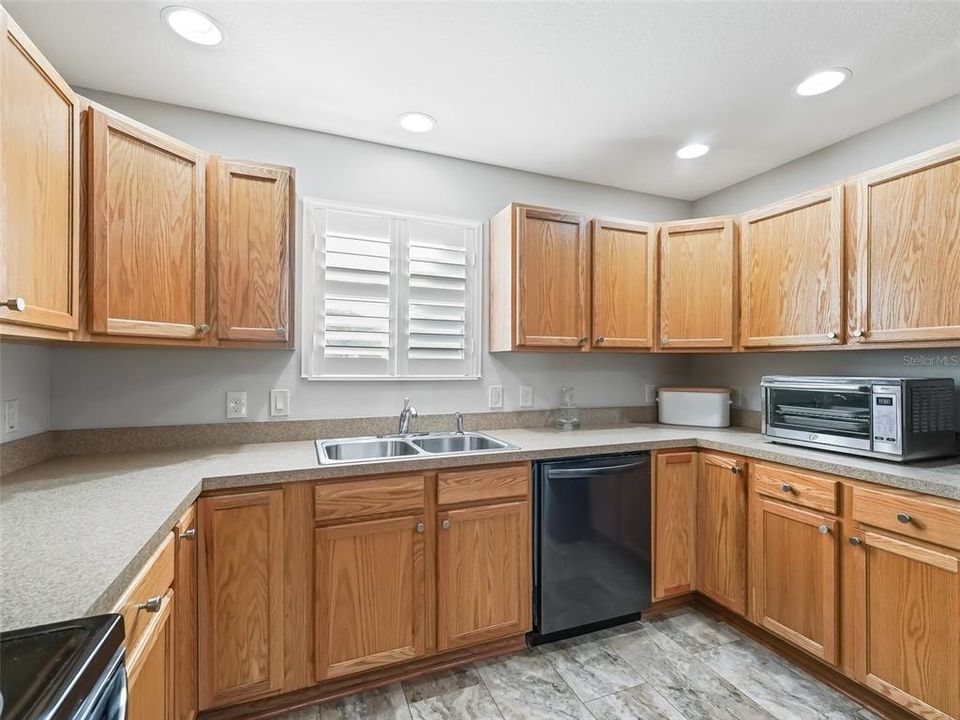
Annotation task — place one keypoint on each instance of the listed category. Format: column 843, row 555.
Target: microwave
column 890, row 418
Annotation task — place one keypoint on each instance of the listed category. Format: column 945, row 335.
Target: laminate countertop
column 77, row 529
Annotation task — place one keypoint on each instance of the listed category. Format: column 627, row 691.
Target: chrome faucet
column 406, row 415
column 458, row 418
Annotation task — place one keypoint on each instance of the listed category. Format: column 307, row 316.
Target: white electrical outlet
column 11, row 416
column 649, row 394
column 279, row 403
column 496, row 397
column 526, row 396
column 236, row 404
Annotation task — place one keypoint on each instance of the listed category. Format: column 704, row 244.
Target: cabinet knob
column 855, row 541
column 152, row 605
column 904, row 518
column 584, row 340
column 787, row 488
column 189, row 534
column 421, row 527
column 203, row 329
column 831, row 335
column 736, row 469
column 445, row 524
column 601, row 340
column 858, row 333
column 823, row 530
column 18, row 304
column 281, row 331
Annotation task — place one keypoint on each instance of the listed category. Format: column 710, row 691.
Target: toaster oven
column 891, row 418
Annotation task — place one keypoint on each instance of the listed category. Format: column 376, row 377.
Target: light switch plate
column 236, row 404
column 496, row 397
column 11, row 416
column 526, row 396
column 279, row 403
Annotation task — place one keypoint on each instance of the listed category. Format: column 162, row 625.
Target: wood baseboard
column 276, row 705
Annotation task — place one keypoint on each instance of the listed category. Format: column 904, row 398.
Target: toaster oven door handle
column 837, row 387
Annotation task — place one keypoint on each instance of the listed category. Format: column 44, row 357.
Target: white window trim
column 308, row 286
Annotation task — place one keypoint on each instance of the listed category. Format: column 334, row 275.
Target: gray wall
column 25, row 376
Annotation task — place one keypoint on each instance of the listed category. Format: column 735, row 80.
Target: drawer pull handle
column 152, row 605
column 189, row 534
column 18, row 304
column 824, row 530
column 904, row 518
column 445, row 524
column 736, row 469
column 855, row 541
column 421, row 527
column 787, row 488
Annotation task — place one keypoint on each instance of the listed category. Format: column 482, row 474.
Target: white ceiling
column 602, row 92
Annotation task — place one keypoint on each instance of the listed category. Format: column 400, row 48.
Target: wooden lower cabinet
column 370, row 595
column 903, row 600
column 794, row 583
column 152, row 667
column 185, row 584
column 722, row 530
column 483, row 574
column 674, row 523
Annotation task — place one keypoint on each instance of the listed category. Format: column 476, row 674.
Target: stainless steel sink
column 370, row 449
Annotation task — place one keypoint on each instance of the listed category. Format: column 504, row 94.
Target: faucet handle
column 406, row 404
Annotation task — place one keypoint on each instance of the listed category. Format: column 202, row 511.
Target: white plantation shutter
column 389, row 295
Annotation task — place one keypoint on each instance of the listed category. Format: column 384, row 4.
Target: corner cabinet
column 698, row 284
column 39, row 193
column 250, row 210
column 791, row 272
column 905, row 250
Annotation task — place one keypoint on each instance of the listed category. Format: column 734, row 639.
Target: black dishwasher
column 591, row 543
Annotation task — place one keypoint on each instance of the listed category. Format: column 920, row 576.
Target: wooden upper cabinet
column 722, row 530
column 146, row 262
column 240, row 597
column 483, row 574
column 623, row 265
column 904, row 601
column 674, row 524
column 791, row 272
column 905, row 250
column 698, row 284
column 539, row 280
column 39, row 191
column 250, row 227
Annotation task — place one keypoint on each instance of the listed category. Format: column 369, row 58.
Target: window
column 389, row 295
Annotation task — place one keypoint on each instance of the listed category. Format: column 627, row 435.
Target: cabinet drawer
column 374, row 496
column 925, row 518
column 459, row 486
column 795, row 486
column 152, row 583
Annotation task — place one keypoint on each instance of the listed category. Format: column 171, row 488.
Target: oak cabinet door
column 147, row 261
column 906, row 622
column 483, row 574
column 553, row 275
column 185, row 584
column 241, row 597
column 623, row 261
column 698, row 284
column 906, row 250
column 370, row 595
column 675, row 524
column 794, row 583
column 152, row 666
column 722, row 530
column 791, row 271
column 39, row 189
column 251, row 230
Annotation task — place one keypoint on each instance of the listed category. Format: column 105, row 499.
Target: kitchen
column 219, row 294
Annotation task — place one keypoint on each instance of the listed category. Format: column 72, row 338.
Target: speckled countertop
column 75, row 530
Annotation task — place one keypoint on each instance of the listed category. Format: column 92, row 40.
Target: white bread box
column 703, row 406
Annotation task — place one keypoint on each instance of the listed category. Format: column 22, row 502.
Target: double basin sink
column 361, row 449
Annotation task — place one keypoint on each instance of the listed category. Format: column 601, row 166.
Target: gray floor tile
column 441, row 683
column 468, row 703
column 637, row 703
column 694, row 631
column 526, row 687
column 646, row 646
column 590, row 667
column 386, row 703
column 310, row 713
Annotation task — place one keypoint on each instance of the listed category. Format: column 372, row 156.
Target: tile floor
column 681, row 666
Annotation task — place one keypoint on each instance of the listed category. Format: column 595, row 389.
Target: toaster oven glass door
column 824, row 413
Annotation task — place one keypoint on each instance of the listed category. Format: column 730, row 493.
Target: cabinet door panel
column 698, row 284
column 907, row 623
column 483, row 574
column 623, row 261
column 370, row 592
column 552, row 279
column 241, row 597
column 907, row 249
column 794, row 557
column 147, row 245
column 791, row 272
column 185, row 584
column 251, row 217
column 722, row 530
column 39, row 187
column 151, row 667
column 675, row 521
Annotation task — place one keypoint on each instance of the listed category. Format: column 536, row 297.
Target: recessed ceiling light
column 417, row 122
column 693, row 150
column 192, row 25
column 822, row 82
